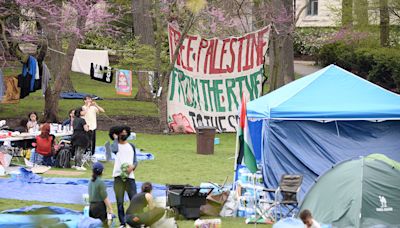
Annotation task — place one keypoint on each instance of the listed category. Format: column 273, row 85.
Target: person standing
column 90, row 111
column 80, row 139
column 99, row 202
column 124, row 165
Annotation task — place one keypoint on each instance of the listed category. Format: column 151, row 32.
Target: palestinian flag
column 246, row 147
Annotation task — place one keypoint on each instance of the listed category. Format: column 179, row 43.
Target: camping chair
column 286, row 195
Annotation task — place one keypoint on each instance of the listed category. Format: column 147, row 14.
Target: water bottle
column 86, row 211
column 86, row 208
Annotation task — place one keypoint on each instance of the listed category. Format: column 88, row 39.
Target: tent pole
column 235, row 159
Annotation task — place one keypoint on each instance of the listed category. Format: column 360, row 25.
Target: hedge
column 378, row 65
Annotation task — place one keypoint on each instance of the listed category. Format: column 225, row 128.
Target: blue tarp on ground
column 76, row 95
column 57, row 190
column 28, row 217
column 319, row 120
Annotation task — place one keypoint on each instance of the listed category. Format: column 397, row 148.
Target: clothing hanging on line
column 101, row 73
column 11, row 94
column 46, row 77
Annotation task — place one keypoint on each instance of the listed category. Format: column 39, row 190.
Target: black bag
column 63, row 158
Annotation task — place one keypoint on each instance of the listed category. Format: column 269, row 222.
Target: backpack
column 44, row 146
column 63, row 159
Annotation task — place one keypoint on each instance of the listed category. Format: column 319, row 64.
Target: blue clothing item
column 30, row 67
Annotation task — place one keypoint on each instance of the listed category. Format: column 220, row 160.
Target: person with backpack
column 45, row 145
column 80, row 138
column 124, row 166
column 99, row 202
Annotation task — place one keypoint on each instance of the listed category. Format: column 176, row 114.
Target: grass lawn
column 176, row 162
column 83, row 83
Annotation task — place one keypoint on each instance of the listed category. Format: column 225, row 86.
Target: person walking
column 124, row 166
column 90, row 111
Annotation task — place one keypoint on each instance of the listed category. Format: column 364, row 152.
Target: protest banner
column 209, row 77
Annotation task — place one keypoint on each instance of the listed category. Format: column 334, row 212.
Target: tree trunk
column 142, row 21
column 162, row 102
column 144, row 90
column 281, row 59
column 52, row 97
column 384, row 22
column 143, row 28
column 361, row 13
column 347, row 13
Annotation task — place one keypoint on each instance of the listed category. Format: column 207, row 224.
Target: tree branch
column 301, row 11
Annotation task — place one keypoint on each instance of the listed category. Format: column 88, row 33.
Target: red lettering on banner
column 213, row 70
column 232, row 51
column 188, row 50
column 239, row 67
column 180, row 57
column 260, row 46
column 209, row 54
column 203, row 44
column 249, row 50
column 221, row 59
column 171, row 43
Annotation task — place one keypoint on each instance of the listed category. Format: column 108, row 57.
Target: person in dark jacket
column 142, row 210
column 80, row 138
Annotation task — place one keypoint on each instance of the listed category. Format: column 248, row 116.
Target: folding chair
column 286, row 195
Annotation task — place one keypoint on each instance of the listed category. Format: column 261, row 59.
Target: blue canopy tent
column 309, row 125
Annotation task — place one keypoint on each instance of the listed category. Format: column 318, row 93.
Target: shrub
column 378, row 65
column 308, row 41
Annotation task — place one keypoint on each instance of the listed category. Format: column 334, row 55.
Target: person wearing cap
column 99, row 202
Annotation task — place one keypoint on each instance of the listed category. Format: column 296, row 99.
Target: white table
column 25, row 136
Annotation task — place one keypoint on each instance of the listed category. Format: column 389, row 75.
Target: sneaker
column 122, row 226
column 73, row 167
column 80, row 168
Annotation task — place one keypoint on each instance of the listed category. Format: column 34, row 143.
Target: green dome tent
column 357, row 193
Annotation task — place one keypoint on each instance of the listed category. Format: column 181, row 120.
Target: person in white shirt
column 124, row 178
column 90, row 111
column 309, row 222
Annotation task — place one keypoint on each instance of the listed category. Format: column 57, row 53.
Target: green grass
column 176, row 162
column 82, row 83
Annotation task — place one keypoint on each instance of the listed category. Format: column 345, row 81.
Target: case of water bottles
column 250, row 188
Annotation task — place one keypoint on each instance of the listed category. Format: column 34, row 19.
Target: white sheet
column 84, row 57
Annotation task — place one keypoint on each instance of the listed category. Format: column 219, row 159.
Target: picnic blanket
column 30, row 186
column 52, row 216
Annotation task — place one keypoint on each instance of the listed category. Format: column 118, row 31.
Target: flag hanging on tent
column 246, row 152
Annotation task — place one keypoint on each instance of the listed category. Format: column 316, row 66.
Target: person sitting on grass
column 45, row 144
column 142, row 210
column 306, row 217
column 124, row 166
column 80, row 138
column 99, row 202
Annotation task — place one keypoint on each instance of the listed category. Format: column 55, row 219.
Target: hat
column 98, row 167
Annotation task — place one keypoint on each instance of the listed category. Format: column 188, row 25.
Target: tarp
column 84, row 57
column 57, row 190
column 51, row 216
column 331, row 93
column 357, row 193
column 76, row 95
column 310, row 148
